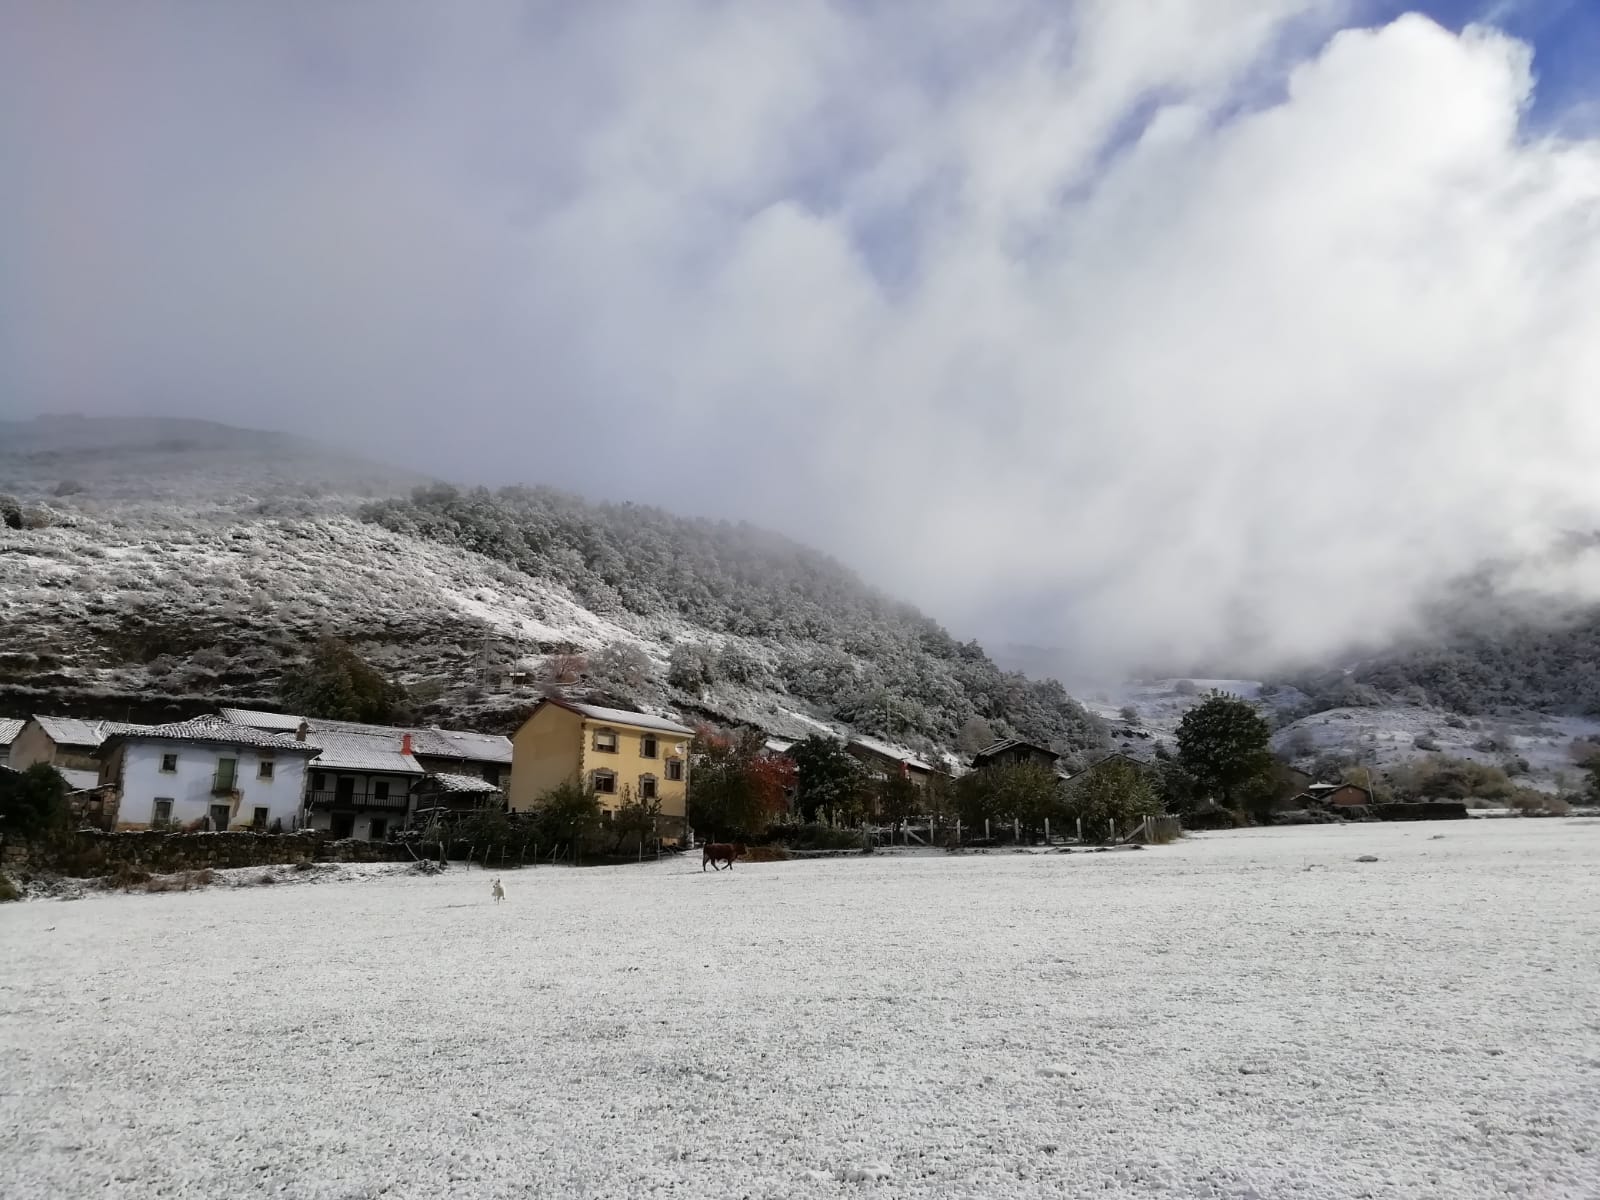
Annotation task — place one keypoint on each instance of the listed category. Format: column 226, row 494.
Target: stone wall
column 90, row 852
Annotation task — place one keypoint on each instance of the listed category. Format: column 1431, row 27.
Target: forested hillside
column 780, row 617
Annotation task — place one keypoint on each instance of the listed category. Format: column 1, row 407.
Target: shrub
column 814, row 837
column 267, row 877
column 9, row 890
column 1425, row 741
column 33, row 802
column 126, row 876
column 1186, row 687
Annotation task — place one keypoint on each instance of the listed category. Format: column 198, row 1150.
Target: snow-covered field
column 1245, row 1014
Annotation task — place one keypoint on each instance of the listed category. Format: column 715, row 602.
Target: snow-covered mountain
column 179, row 563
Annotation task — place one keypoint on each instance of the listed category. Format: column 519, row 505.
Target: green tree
column 635, row 818
column 1112, row 790
column 898, row 799
column 33, row 802
column 1222, row 743
column 829, row 777
column 725, row 799
column 1026, row 792
column 566, row 814
column 335, row 682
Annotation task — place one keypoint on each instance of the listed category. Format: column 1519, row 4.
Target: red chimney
column 405, row 743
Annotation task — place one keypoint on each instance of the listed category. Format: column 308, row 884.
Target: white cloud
column 1139, row 333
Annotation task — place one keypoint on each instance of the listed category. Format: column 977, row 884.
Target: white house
column 239, row 778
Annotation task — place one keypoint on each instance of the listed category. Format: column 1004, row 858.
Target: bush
column 9, row 890
column 33, row 802
column 1186, row 687
column 1425, row 741
column 814, row 837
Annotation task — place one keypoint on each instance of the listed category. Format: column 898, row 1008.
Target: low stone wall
column 89, row 852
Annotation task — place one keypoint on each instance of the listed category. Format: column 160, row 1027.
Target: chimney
column 405, row 743
column 300, row 733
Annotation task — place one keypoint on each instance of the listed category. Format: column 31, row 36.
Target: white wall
column 189, row 788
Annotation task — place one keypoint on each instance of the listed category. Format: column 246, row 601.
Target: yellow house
column 608, row 749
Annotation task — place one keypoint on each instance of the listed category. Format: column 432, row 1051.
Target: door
column 344, row 791
column 343, row 824
column 379, row 830
column 219, row 817
column 227, row 770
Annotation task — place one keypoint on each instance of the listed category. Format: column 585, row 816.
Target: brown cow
column 715, row 852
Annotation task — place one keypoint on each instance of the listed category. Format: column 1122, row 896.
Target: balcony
column 351, row 798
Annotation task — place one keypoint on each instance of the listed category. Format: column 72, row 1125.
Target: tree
column 1129, row 715
column 621, row 665
column 692, row 667
column 1222, row 743
column 566, row 814
column 1593, row 789
column 1025, row 792
column 898, row 799
column 975, row 735
column 1113, row 790
column 829, row 777
column 635, row 817
column 1175, row 787
column 33, row 802
column 727, row 796
column 336, row 683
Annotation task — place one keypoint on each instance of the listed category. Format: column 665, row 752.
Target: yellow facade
column 559, row 743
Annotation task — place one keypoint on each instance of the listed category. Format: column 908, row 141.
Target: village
column 632, row 781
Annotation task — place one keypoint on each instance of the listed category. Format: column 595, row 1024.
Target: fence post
column 986, row 834
column 1016, row 832
column 1047, row 831
column 1080, row 829
column 958, row 833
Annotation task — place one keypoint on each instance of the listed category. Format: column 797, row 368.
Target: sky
column 1180, row 328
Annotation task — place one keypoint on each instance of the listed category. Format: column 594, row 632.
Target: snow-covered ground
column 1245, row 1014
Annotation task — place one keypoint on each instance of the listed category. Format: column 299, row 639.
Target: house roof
column 459, row 784
column 431, row 742
column 621, row 716
column 79, row 781
column 73, row 731
column 1005, row 744
column 897, row 753
column 256, row 719
column 9, row 728
column 361, row 752
column 212, row 729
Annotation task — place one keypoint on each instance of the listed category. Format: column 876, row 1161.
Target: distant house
column 455, row 794
column 363, row 776
column 69, row 744
column 208, row 769
column 1012, row 751
column 883, row 760
column 610, row 750
column 9, row 728
column 1347, row 795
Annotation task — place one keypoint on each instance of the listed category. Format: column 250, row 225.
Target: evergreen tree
column 33, row 802
column 1222, row 744
column 336, row 683
column 828, row 777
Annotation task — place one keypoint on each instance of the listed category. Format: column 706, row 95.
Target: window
column 163, row 811
column 647, row 787
column 605, row 782
column 169, row 764
column 605, row 741
column 674, row 768
column 259, row 818
column 378, row 829
column 647, row 746
column 380, row 790
column 319, row 782
column 264, row 770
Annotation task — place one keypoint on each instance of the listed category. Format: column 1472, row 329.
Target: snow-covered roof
column 362, row 752
column 777, row 746
column 621, row 716
column 79, row 781
column 897, row 753
column 460, row 784
column 213, row 729
column 456, row 743
column 431, row 742
column 9, row 728
column 1005, row 744
column 73, row 731
column 256, row 719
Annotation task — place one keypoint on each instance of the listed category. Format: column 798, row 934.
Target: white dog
column 497, row 891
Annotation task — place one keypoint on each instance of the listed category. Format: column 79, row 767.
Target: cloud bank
column 1189, row 328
